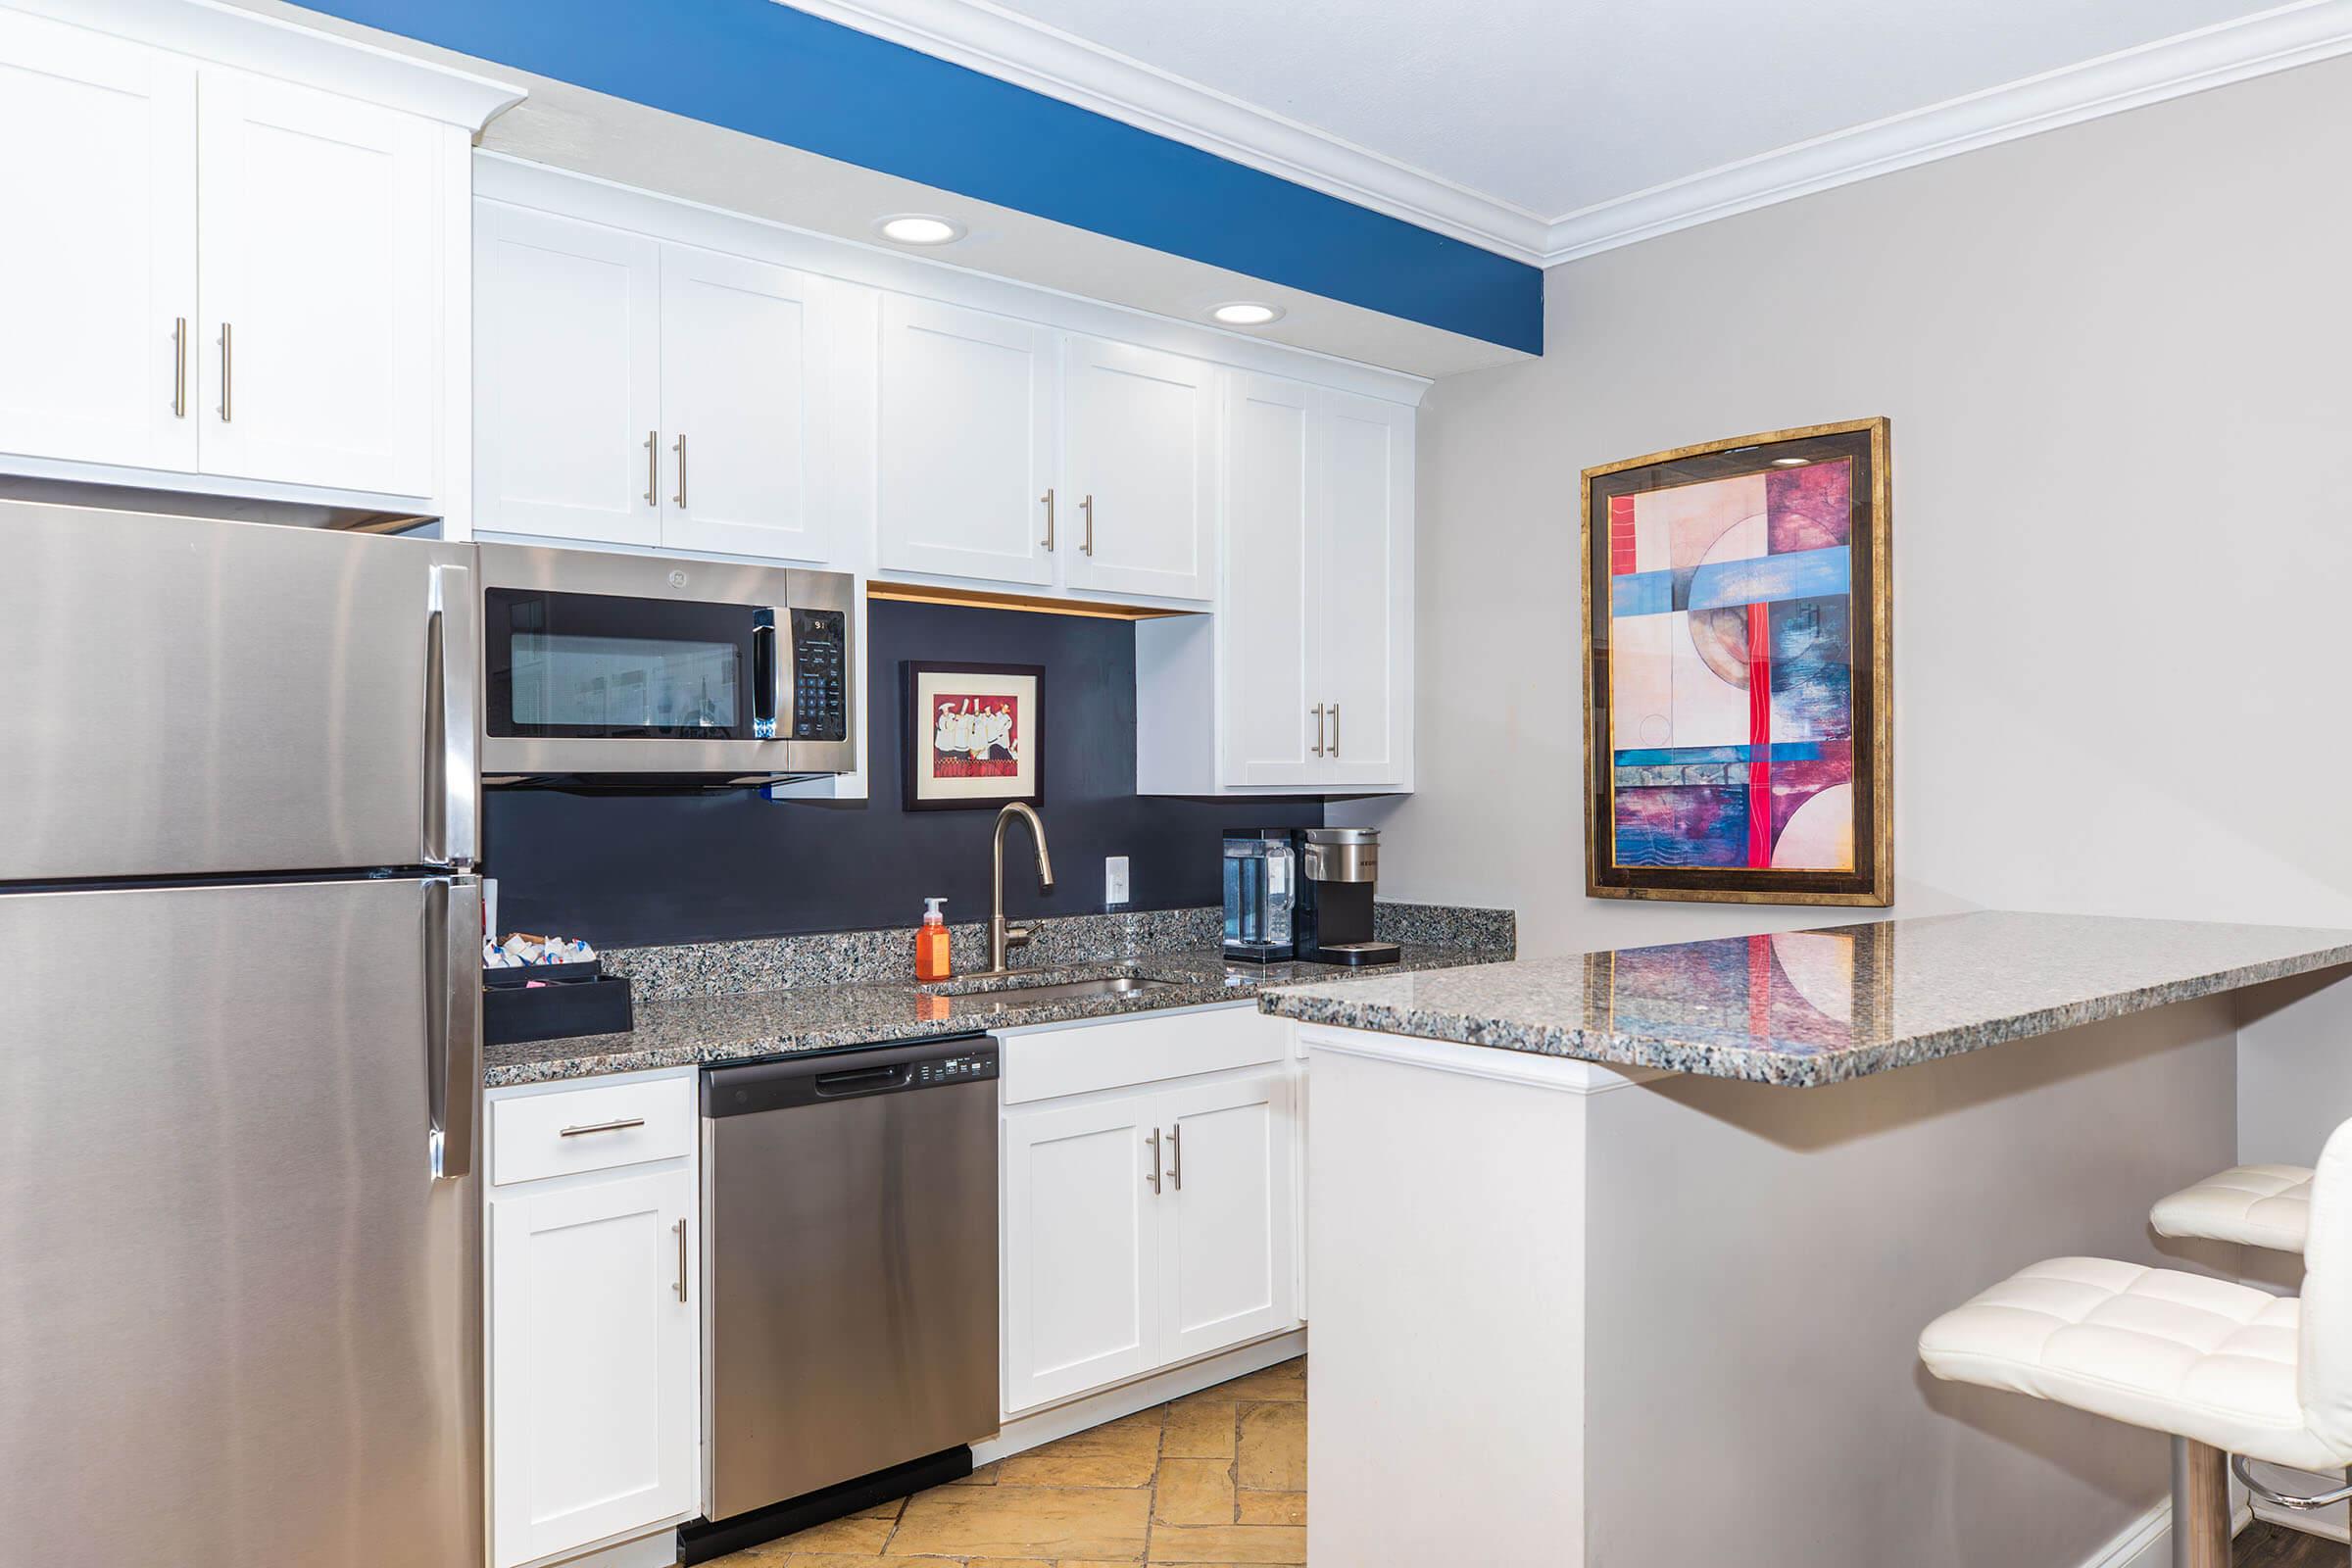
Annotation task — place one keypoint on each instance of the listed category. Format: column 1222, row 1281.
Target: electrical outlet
column 1114, row 881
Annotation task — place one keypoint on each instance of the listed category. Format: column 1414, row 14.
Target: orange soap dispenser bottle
column 931, row 962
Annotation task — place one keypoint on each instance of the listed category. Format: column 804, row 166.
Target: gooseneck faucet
column 1002, row 938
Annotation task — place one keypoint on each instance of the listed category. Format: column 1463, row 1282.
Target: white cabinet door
column 1139, row 464
column 966, row 444
column 1082, row 1260
column 320, row 315
column 98, row 276
column 595, row 1347
column 1227, row 1273
column 739, row 382
column 567, row 389
column 1270, row 620
column 1364, row 576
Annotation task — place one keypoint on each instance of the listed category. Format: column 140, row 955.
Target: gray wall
column 2117, row 359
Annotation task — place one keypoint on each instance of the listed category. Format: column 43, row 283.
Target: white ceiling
column 1546, row 128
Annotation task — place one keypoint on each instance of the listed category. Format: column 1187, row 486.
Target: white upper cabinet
column 567, row 378
column 1271, row 615
column 317, row 299
column 1362, row 655
column 739, row 351
column 1304, row 680
column 98, row 286
column 1139, row 462
column 243, row 283
column 965, row 454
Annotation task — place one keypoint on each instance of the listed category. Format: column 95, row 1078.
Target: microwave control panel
column 820, row 640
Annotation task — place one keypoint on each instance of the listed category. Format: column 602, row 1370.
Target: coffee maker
column 1332, row 921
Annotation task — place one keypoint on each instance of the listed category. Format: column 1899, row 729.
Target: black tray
column 523, row 974
column 513, row 1014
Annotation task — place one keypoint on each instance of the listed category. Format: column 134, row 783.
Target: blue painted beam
column 768, row 71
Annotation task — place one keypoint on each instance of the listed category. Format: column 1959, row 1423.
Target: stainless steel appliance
column 1261, row 892
column 850, row 1309
column 600, row 665
column 241, row 1287
column 1338, row 868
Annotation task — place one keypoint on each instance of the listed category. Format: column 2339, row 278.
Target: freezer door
column 240, row 1319
column 191, row 696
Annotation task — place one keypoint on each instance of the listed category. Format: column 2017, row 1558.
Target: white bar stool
column 2224, row 1368
column 2254, row 1205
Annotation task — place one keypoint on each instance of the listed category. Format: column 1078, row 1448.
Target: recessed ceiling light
column 1246, row 313
column 920, row 228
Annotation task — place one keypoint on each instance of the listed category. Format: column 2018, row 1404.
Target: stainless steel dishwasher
column 849, row 1318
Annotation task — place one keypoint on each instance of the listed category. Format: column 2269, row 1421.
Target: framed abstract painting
column 1737, row 672
column 972, row 735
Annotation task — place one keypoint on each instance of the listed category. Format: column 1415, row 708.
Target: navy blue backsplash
column 632, row 870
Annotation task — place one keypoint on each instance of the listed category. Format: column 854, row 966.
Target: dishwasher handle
column 863, row 1080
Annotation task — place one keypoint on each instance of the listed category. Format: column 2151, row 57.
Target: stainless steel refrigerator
column 240, row 1293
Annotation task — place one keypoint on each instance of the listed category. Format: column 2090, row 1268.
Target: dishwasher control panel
column 957, row 1069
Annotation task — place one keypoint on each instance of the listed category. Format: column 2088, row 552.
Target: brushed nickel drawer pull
column 1317, row 711
column 1153, row 1143
column 680, row 450
column 1047, row 499
column 179, row 368
column 652, row 468
column 621, row 1126
column 224, row 373
column 1334, row 729
column 680, row 1228
column 1086, row 546
column 1176, row 1157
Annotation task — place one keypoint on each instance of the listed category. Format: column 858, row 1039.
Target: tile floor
column 1217, row 1478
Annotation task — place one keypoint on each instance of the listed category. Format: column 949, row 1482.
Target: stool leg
column 2200, row 1506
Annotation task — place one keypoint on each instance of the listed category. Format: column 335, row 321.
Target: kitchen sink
column 1023, row 996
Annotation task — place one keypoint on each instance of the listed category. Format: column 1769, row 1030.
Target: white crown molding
column 270, row 46
column 987, row 38
column 2170, row 68
column 999, row 43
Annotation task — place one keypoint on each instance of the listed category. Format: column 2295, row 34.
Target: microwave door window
column 608, row 685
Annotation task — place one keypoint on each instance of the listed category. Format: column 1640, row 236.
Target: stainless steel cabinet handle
column 603, row 1127
column 1334, row 729
column 452, row 931
column 1047, row 499
column 680, row 1227
column 652, row 468
column 1086, row 507
column 224, row 373
column 1317, row 711
column 1153, row 1143
column 1176, row 1157
column 179, row 368
column 680, row 449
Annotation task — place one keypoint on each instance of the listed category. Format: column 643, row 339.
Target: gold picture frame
column 1865, row 447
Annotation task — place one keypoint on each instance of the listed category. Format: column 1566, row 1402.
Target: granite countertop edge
column 1782, row 1069
column 747, row 1026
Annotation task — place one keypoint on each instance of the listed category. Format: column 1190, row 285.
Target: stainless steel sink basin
column 1020, row 996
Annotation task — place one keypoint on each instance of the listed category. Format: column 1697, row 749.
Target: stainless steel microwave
column 618, row 668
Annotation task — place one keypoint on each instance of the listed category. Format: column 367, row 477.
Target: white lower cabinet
column 595, row 1339
column 1145, row 1226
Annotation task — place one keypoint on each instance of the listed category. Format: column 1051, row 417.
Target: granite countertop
column 681, row 1031
column 1809, row 1007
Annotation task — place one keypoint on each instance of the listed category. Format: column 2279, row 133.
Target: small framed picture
column 972, row 735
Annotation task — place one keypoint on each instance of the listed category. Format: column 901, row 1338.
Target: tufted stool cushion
column 2202, row 1359
column 2255, row 1205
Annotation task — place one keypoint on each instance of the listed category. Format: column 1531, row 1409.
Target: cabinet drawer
column 535, row 1136
column 1086, row 1057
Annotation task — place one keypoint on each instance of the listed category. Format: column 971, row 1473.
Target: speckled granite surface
column 855, row 957
column 735, row 1027
column 1809, row 1007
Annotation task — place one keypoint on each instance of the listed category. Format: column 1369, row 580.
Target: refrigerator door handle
column 450, row 837
column 453, row 1010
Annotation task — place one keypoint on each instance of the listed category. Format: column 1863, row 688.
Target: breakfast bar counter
column 1656, row 1307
